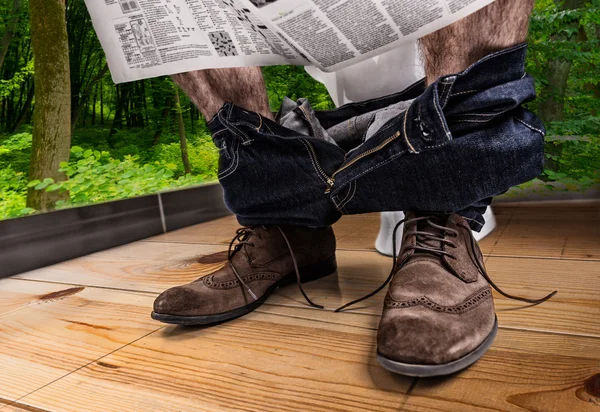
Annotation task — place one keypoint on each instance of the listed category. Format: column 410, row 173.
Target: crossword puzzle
column 243, row 16
column 262, row 3
column 128, row 6
column 223, row 43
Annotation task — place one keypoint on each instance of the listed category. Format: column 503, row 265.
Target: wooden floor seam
column 486, row 255
column 16, row 401
column 267, row 304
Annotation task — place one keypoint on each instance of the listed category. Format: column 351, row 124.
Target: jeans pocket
column 228, row 154
column 343, row 198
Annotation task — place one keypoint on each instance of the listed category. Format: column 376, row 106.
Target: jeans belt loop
column 232, row 127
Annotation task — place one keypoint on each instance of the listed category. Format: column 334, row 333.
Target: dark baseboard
column 191, row 206
column 36, row 241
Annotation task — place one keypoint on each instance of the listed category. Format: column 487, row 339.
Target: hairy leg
column 209, row 89
column 452, row 49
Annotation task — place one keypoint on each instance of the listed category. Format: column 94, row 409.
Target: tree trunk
column 592, row 88
column 192, row 115
column 94, row 105
column 163, row 119
column 122, row 101
column 3, row 119
column 20, row 101
column 24, row 111
column 145, row 101
column 551, row 103
column 85, row 94
column 52, row 112
column 86, row 109
column 551, row 107
column 182, row 139
column 101, row 102
column 9, row 30
column 10, row 108
column 127, row 105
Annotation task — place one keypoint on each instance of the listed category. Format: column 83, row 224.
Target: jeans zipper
column 313, row 155
column 387, row 141
column 331, row 179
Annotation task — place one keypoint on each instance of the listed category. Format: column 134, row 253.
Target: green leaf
column 53, row 187
column 41, row 185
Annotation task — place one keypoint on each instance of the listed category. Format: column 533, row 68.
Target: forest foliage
column 126, row 138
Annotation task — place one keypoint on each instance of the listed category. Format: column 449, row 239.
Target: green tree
column 552, row 95
column 10, row 29
column 52, row 113
column 182, row 138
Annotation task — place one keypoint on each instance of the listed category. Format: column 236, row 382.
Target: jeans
column 462, row 140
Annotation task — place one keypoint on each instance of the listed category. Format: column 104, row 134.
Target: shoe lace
column 243, row 238
column 420, row 245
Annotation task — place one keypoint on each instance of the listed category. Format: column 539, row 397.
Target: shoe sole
column 307, row 274
column 426, row 371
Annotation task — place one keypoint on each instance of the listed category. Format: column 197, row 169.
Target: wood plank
column 15, row 294
column 258, row 363
column 65, row 330
column 568, row 232
column 557, row 209
column 146, row 267
column 545, row 238
column 523, row 371
column 556, row 232
column 352, row 232
column 539, row 344
column 354, row 319
column 140, row 266
column 215, row 232
column 279, row 363
column 98, row 350
column 575, row 309
column 18, row 407
column 356, row 232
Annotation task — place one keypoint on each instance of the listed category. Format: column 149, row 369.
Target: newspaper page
column 149, row 38
column 334, row 34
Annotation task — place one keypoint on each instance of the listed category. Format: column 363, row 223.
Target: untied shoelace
column 242, row 237
column 423, row 247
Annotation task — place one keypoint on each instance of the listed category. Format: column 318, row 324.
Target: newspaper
column 149, row 38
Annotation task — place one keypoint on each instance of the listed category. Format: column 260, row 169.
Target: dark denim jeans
column 463, row 140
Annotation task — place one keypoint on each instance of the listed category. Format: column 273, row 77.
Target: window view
column 146, row 136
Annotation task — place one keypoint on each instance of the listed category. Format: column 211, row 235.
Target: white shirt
column 378, row 76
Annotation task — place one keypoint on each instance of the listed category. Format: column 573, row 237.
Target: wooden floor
column 78, row 337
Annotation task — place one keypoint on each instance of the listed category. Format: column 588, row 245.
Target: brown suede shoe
column 438, row 315
column 263, row 259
